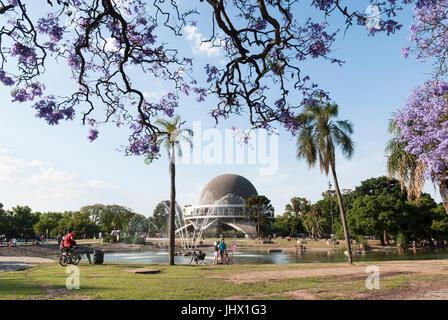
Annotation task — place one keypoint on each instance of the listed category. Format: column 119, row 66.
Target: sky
column 56, row 168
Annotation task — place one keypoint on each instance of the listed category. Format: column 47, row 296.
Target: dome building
column 223, row 199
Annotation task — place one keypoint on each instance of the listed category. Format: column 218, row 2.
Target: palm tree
column 170, row 136
column 404, row 166
column 298, row 206
column 317, row 138
column 313, row 221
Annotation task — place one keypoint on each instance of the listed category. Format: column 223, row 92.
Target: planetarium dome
column 227, row 186
column 222, row 200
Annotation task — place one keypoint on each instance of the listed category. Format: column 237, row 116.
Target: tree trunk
column 171, row 227
column 342, row 211
column 443, row 188
column 386, row 240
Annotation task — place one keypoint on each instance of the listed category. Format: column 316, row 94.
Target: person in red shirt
column 68, row 240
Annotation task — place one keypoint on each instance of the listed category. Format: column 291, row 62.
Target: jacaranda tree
column 423, row 124
column 101, row 41
column 108, row 44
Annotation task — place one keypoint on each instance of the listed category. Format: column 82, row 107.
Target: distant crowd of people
column 13, row 242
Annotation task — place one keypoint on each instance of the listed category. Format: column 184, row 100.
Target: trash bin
column 98, row 257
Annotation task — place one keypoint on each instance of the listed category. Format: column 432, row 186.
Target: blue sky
column 55, row 168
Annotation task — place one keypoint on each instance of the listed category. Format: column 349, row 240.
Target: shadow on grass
column 15, row 286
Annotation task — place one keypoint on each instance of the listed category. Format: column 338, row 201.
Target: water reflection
column 262, row 257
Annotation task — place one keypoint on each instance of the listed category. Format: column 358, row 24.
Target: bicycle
column 228, row 259
column 68, row 256
column 198, row 256
column 72, row 255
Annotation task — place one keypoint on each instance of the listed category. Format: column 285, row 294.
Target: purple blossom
column 7, row 81
column 93, row 135
column 25, row 55
column 48, row 110
column 423, row 124
column 50, row 27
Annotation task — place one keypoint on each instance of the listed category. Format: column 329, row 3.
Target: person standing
column 59, row 238
column 222, row 248
column 216, row 252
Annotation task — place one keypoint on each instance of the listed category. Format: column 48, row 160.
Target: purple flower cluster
column 25, row 55
column 7, row 81
column 212, row 73
column 259, row 24
column 28, row 93
column 93, row 135
column 48, row 110
column 50, row 26
column 428, row 33
column 423, row 124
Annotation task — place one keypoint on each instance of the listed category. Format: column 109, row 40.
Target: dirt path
column 385, row 269
column 20, row 263
column 416, row 289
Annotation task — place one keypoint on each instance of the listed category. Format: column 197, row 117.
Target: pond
column 254, row 256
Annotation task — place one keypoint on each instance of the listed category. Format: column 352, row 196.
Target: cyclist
column 68, row 241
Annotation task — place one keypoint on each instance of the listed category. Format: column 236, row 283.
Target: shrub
column 401, row 239
column 109, row 237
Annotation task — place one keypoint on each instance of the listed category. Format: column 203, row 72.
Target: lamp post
column 331, row 209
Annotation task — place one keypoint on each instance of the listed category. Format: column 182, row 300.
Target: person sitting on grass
column 12, row 243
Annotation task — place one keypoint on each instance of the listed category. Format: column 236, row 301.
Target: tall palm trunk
column 443, row 188
column 172, row 236
column 342, row 211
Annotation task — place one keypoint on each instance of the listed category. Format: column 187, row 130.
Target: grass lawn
column 111, row 281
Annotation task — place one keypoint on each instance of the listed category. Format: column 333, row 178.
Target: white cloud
column 201, row 46
column 98, row 184
column 45, row 181
column 11, row 169
column 35, row 163
column 4, row 150
column 154, row 95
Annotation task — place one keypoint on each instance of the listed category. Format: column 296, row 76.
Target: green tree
column 314, row 221
column 82, row 224
column 138, row 225
column 439, row 225
column 109, row 217
column 48, row 221
column 418, row 218
column 160, row 217
column 170, row 136
column 378, row 208
column 328, row 207
column 259, row 210
column 287, row 224
column 4, row 221
column 22, row 222
column 316, row 142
